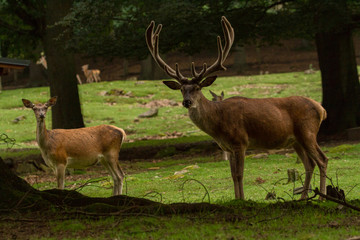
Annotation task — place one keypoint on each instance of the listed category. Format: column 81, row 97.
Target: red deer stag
column 238, row 123
column 78, row 148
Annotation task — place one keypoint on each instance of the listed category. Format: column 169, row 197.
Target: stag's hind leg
column 314, row 153
column 322, row 164
column 309, row 168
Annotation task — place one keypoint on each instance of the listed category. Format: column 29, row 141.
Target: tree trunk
column 239, row 59
column 340, row 82
column 150, row 70
column 61, row 69
column 126, row 68
column 146, row 69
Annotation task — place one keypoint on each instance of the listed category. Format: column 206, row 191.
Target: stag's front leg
column 237, row 158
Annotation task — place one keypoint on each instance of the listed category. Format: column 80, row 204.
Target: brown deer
column 91, row 74
column 78, row 148
column 217, row 97
column 238, row 123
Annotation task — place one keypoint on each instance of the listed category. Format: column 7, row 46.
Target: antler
column 152, row 41
column 222, row 53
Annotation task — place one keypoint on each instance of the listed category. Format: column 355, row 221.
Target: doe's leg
column 112, row 164
column 60, row 175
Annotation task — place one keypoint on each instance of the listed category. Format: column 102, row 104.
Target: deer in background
column 78, row 148
column 238, row 123
column 91, row 74
column 42, row 61
column 217, row 97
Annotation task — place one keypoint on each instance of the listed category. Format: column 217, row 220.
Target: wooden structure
column 8, row 63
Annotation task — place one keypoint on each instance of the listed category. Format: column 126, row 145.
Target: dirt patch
column 166, row 135
column 160, row 103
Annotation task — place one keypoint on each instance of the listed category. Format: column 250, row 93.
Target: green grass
column 121, row 111
column 210, row 178
column 255, row 218
column 207, row 178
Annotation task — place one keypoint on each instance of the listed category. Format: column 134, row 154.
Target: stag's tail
column 320, row 110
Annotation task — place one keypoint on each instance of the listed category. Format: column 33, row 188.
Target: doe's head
column 40, row 109
column 217, row 98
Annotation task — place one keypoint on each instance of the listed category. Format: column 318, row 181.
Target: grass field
column 188, row 178
column 121, row 111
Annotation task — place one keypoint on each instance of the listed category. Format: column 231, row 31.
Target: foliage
column 21, row 27
column 116, row 28
column 192, row 26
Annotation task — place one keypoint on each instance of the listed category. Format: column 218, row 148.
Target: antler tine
column 228, row 34
column 193, row 71
column 222, row 52
column 152, row 41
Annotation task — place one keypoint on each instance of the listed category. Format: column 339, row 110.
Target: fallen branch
column 317, row 192
column 192, row 179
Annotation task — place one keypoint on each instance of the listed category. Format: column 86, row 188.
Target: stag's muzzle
column 187, row 103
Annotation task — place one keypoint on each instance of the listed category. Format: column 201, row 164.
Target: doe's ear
column 213, row 94
column 172, row 84
column 52, row 101
column 27, row 103
column 208, row 81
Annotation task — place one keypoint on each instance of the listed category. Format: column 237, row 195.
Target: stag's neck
column 204, row 114
column 41, row 133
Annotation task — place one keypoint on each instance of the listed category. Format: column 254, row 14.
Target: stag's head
column 40, row 109
column 191, row 87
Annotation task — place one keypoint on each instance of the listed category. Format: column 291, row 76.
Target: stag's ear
column 208, row 81
column 27, row 103
column 222, row 94
column 172, row 84
column 52, row 101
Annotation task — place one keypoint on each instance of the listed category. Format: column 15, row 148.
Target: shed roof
column 13, row 63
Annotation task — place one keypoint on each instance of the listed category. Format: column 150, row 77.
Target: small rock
column 18, row 119
column 181, row 172
column 261, row 155
column 151, row 113
column 103, row 93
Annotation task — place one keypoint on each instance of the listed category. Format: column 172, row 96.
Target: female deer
column 78, row 148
